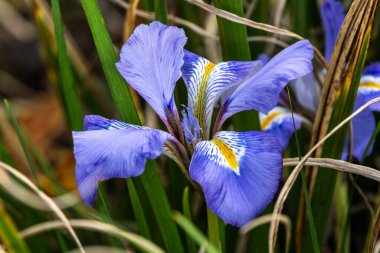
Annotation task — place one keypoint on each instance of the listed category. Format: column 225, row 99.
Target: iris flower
column 308, row 92
column 239, row 172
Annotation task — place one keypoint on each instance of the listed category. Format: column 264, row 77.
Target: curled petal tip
column 102, row 154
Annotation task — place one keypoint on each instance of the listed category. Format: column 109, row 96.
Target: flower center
column 190, row 125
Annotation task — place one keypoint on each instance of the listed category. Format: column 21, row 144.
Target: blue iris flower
column 239, row 172
column 308, row 92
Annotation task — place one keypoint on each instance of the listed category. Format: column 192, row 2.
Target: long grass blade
column 21, row 139
column 194, row 233
column 127, row 112
column 9, row 235
column 66, row 77
column 48, row 201
column 304, row 185
column 292, row 178
column 325, row 180
column 93, row 225
column 187, row 213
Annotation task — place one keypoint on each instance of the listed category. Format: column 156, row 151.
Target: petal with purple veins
column 239, row 173
column 151, row 62
column 116, row 153
column 261, row 91
column 206, row 81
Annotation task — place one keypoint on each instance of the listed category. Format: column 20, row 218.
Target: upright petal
column 279, row 122
column 307, row 91
column 151, row 62
column 206, row 81
column 239, row 173
column 115, row 153
column 332, row 14
column 261, row 91
column 363, row 126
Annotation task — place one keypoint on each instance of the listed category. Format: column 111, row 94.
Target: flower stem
column 213, row 229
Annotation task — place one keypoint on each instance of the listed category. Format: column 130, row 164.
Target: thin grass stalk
column 21, row 139
column 325, row 181
column 49, row 202
column 187, row 213
column 304, row 185
column 193, row 232
column 93, row 225
column 261, row 26
column 290, row 181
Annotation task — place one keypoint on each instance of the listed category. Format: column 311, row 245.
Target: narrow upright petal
column 206, row 81
column 261, row 91
column 119, row 152
column 307, row 91
column 279, row 122
column 151, row 62
column 332, row 14
column 238, row 172
column 363, row 126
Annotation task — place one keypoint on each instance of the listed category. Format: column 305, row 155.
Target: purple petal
column 95, row 122
column 239, row 173
column 369, row 87
column 151, row 62
column 372, row 70
column 279, row 122
column 116, row 153
column 332, row 14
column 363, row 126
column 261, row 91
column 206, row 81
column 307, row 91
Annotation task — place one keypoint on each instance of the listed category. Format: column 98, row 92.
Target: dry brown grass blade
column 293, row 176
column 261, row 26
column 130, row 19
column 99, row 249
column 129, row 26
column 272, row 40
column 356, row 22
column 17, row 191
column 48, row 201
column 285, row 220
column 375, row 228
column 337, row 165
column 93, row 225
column 347, row 49
column 150, row 16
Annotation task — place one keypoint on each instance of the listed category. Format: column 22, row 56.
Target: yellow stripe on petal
column 227, row 153
column 371, row 85
column 268, row 119
column 201, row 97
